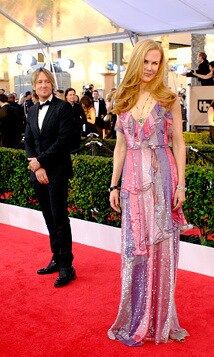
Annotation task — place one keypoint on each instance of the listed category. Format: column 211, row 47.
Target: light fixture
column 62, row 65
column 113, row 67
column 65, row 63
column 26, row 60
column 179, row 69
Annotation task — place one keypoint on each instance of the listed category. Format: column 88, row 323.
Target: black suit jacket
column 102, row 107
column 102, row 111
column 10, row 127
column 52, row 145
column 79, row 119
column 204, row 68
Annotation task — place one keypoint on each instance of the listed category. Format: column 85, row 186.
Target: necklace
column 142, row 112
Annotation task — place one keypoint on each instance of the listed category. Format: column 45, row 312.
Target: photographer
column 206, row 77
column 203, row 69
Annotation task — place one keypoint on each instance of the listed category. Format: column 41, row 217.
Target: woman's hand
column 179, row 199
column 115, row 200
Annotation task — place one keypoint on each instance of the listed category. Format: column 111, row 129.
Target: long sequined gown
column 150, row 232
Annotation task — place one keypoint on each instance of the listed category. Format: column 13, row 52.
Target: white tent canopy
column 158, row 17
column 133, row 17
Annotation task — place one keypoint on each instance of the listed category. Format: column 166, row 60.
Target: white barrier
column 195, row 258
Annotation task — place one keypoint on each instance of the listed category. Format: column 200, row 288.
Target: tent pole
column 52, row 66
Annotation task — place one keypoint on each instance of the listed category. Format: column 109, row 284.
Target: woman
column 90, row 113
column 152, row 193
column 210, row 75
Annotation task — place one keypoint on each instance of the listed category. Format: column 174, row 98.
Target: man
column 48, row 139
column 101, row 111
column 203, row 68
column 18, row 110
column 78, row 114
column 27, row 102
column 10, row 124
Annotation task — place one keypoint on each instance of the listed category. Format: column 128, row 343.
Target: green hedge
column 197, row 138
column 200, row 141
column 88, row 195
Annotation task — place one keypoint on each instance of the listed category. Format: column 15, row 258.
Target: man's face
column 43, row 87
column 199, row 58
column 71, row 96
column 95, row 95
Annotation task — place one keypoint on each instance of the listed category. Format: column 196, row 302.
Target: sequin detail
column 150, row 232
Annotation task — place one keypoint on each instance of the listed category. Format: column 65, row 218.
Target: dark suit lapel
column 35, row 117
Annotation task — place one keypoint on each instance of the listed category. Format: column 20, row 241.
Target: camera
column 190, row 74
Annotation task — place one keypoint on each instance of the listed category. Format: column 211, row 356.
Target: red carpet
column 40, row 320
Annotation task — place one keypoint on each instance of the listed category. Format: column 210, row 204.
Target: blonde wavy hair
column 128, row 91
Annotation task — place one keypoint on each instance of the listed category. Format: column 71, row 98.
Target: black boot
column 65, row 276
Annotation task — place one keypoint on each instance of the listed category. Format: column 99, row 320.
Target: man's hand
column 34, row 164
column 41, row 176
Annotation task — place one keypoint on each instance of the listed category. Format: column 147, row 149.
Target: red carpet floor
column 40, row 320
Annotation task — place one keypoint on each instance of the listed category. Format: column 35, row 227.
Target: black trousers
column 53, row 202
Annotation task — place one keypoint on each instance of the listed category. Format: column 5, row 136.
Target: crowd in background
column 91, row 112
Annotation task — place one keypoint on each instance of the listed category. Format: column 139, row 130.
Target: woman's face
column 151, row 65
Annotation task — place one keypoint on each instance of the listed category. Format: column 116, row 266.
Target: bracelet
column 113, row 188
column 181, row 188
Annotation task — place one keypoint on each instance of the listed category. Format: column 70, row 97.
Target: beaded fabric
column 150, row 232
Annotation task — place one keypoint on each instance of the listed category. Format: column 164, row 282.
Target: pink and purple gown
column 150, row 232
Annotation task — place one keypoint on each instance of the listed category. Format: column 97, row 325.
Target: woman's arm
column 203, row 76
column 179, row 151
column 118, row 162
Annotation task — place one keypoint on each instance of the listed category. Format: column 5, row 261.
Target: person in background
column 101, row 111
column 49, row 137
column 78, row 115
column 19, row 116
column 90, row 114
column 88, row 91
column 110, row 125
column 209, row 76
column 10, row 124
column 203, row 69
column 150, row 154
column 77, row 99
column 27, row 103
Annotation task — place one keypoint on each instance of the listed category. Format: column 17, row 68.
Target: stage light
column 110, row 66
column 26, row 60
column 65, row 63
column 179, row 69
